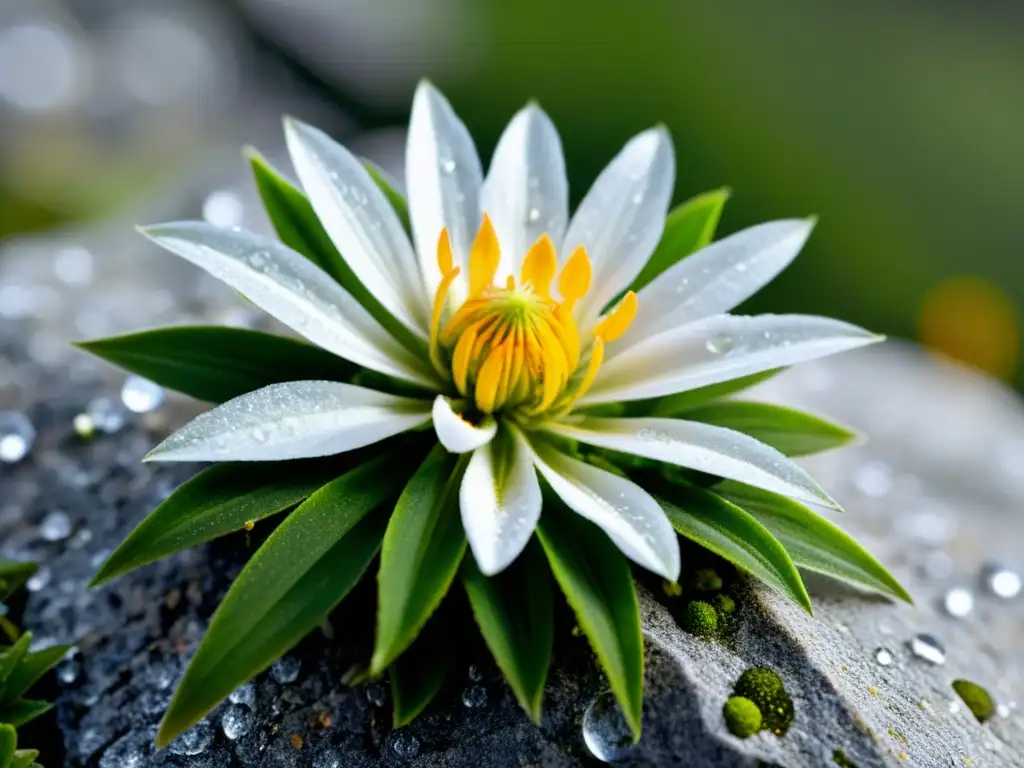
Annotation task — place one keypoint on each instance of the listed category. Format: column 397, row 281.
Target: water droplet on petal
column 719, row 344
column 605, row 730
column 447, row 166
column 533, row 214
column 928, row 648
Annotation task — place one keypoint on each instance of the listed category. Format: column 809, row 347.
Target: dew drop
column 244, row 694
column 884, row 657
column 605, row 730
column 56, row 526
column 141, row 395
column 741, row 267
column 194, row 741
column 259, row 435
column 405, row 745
column 107, row 415
column 286, row 670
column 375, row 694
column 1002, row 582
column 474, row 697
column 533, row 214
column 928, row 648
column 39, row 580
column 236, row 721
column 448, row 166
column 719, row 344
column 958, row 602
column 16, row 436
column 873, row 479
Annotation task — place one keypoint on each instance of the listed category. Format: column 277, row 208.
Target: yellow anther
column 618, row 320
column 444, row 253
column 574, row 282
column 435, row 317
column 484, row 256
column 539, row 266
column 596, row 358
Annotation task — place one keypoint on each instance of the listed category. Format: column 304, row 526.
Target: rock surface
column 936, row 493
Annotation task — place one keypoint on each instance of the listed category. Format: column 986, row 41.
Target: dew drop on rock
column 329, row 758
column 244, row 694
column 375, row 694
column 68, row 671
column 1002, row 582
column 106, row 414
column 928, row 648
column 884, row 657
column 56, row 526
column 475, row 673
column 605, row 730
column 16, row 436
column 236, row 721
column 474, row 697
column 405, row 745
column 141, row 395
column 958, row 602
column 286, row 670
column 194, row 741
column 39, row 580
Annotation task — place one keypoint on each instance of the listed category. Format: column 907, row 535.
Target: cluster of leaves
column 20, row 669
column 400, row 499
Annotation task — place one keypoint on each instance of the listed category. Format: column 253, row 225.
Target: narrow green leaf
column 217, row 501
column 302, row 571
column 22, row 711
column 297, row 225
column 791, row 432
column 9, row 661
column 32, row 667
column 388, row 187
column 598, row 584
column 729, row 531
column 688, row 228
column 8, row 743
column 215, row 364
column 13, row 575
column 418, row 674
column 515, row 613
column 23, row 758
column 423, row 547
column 681, row 402
column 813, row 542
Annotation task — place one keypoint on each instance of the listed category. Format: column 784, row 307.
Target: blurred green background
column 900, row 124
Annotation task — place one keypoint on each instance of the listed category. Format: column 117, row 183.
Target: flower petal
column 703, row 447
column 500, row 500
column 526, row 192
column 455, row 433
column 717, row 349
column 288, row 286
column 361, row 223
column 293, row 420
column 622, row 217
column 442, row 178
column 717, row 278
column 625, row 511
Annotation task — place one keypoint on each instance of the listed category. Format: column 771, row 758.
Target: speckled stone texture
column 936, row 492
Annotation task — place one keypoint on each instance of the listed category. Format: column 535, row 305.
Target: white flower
column 506, row 299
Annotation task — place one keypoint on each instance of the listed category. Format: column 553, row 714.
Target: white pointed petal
column 293, row 420
column 625, row 511
column 716, row 279
column 526, row 192
column 718, row 349
column 361, row 223
column 500, row 500
column 288, row 286
column 455, row 433
column 703, row 447
column 442, row 178
column 622, row 217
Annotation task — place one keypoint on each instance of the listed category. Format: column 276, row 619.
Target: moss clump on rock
column 700, row 618
column 742, row 717
column 839, row 758
column 706, row 580
column 765, row 689
column 725, row 604
column 976, row 698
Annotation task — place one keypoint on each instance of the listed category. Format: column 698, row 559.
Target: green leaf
column 9, row 661
column 598, row 584
column 8, row 743
column 688, row 228
column 515, row 613
column 297, row 225
column 812, row 541
column 23, row 758
column 13, row 575
column 32, row 667
column 682, row 402
column 418, row 674
column 422, row 550
column 791, row 432
column 217, row 501
column 22, row 711
column 730, row 532
column 302, row 571
column 216, row 364
column 388, row 187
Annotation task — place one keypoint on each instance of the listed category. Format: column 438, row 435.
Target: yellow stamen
column 596, row 358
column 574, row 282
column 444, row 252
column 484, row 256
column 539, row 266
column 618, row 320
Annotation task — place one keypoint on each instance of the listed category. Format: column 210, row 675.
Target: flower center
column 515, row 347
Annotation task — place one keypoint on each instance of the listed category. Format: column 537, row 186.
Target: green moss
column 725, row 604
column 700, row 618
column 976, row 698
column 839, row 758
column 765, row 688
column 706, row 580
column 742, row 717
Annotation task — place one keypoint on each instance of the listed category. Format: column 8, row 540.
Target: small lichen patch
column 839, row 758
column 765, row 689
column 706, row 580
column 742, row 716
column 976, row 698
column 700, row 618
